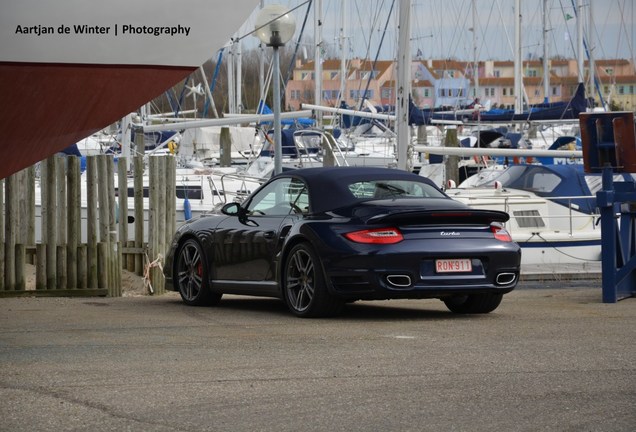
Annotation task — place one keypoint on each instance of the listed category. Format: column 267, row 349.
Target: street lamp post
column 275, row 26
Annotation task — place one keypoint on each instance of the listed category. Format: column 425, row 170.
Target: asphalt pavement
column 550, row 358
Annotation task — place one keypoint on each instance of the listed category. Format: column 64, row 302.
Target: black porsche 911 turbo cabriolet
column 322, row 237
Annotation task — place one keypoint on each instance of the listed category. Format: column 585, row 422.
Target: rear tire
column 304, row 287
column 191, row 276
column 473, row 303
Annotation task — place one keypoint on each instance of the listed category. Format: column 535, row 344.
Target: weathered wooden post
column 40, row 268
column 225, row 146
column 160, row 207
column 20, row 262
column 60, row 180
column 74, row 220
column 452, row 161
column 31, row 209
column 153, row 219
column 103, row 266
column 82, row 267
column 91, row 220
column 171, row 201
column 122, row 200
column 139, row 213
column 11, row 209
column 48, row 225
column 113, row 244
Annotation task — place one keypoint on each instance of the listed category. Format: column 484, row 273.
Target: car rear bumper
column 414, row 276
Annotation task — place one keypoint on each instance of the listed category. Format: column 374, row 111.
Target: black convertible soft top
column 329, row 189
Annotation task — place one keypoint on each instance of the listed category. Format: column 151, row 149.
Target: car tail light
column 376, row 236
column 500, row 233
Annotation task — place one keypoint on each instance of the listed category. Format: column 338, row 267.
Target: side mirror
column 231, row 209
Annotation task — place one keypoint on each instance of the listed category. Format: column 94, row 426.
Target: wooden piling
column 10, row 234
column 62, row 209
column 11, row 209
column 20, row 263
column 139, row 213
column 122, row 199
column 452, row 162
column 74, row 220
column 225, row 147
column 113, row 242
column 171, row 201
column 153, row 216
column 61, row 266
column 31, row 208
column 102, row 265
column 104, row 221
column 92, row 169
column 40, row 267
column 161, row 223
column 82, row 267
column 51, row 233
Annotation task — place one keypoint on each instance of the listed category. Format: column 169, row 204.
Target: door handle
column 269, row 234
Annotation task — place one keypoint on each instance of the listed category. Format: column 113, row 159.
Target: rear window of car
column 389, row 189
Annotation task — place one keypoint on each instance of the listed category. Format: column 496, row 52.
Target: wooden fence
column 84, row 240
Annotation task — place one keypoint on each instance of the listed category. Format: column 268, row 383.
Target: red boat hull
column 59, row 104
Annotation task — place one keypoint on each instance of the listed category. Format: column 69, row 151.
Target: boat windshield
column 529, row 178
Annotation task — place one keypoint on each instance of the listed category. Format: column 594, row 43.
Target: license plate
column 453, row 265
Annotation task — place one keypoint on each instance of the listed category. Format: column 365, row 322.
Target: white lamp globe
column 275, row 26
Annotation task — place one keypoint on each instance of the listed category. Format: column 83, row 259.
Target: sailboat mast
column 261, row 66
column 518, row 60
column 404, row 85
column 579, row 35
column 546, row 58
column 475, row 60
column 230, row 80
column 318, row 58
column 592, row 65
column 239, row 76
column 343, row 49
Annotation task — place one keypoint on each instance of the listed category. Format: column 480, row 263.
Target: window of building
column 505, row 92
column 512, row 91
column 333, row 75
column 386, row 93
column 621, row 90
column 531, row 72
column 609, row 71
column 496, row 73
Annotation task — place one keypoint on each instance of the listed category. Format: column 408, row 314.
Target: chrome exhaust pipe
column 505, row 278
column 399, row 281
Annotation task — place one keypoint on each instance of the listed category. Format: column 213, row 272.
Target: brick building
column 450, row 82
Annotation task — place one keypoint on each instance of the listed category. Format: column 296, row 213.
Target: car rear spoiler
column 454, row 216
